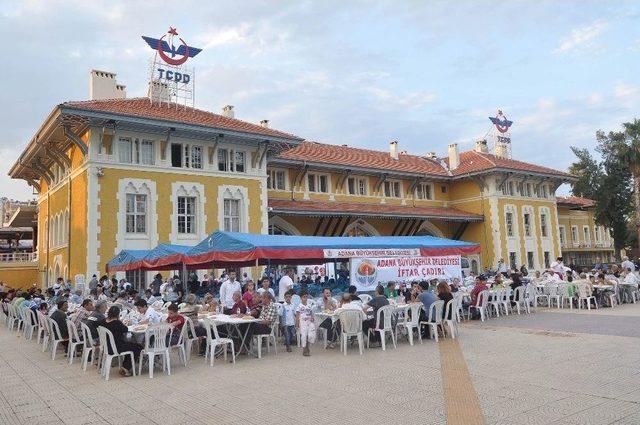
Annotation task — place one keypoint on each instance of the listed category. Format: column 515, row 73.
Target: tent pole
column 184, row 278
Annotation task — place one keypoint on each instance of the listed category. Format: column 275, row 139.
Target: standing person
column 227, row 290
column 502, row 267
column 266, row 283
column 306, row 324
column 558, row 267
column 155, row 285
column 288, row 321
column 250, row 296
column 93, row 283
column 286, row 283
column 120, row 331
column 179, row 288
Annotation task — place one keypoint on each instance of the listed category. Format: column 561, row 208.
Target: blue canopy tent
column 127, row 259
column 242, row 249
column 165, row 257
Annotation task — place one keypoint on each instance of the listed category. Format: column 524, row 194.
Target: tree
column 589, row 174
column 631, row 157
column 614, row 201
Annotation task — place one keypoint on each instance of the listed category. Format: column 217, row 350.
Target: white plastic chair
column 214, row 340
column 494, row 302
column 43, row 330
column 554, row 296
column 505, row 302
column 365, row 298
column 383, row 325
column 481, row 304
column 156, row 347
column 107, row 344
column 520, row 300
column 536, row 295
column 409, row 324
column 435, row 318
column 270, row 337
column 351, row 325
column 89, row 347
column 585, row 295
column 181, row 342
column 56, row 337
column 74, row 340
column 14, row 318
column 189, row 338
column 563, row 291
column 450, row 318
column 30, row 323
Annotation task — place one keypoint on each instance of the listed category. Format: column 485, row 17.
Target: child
column 305, row 322
column 288, row 320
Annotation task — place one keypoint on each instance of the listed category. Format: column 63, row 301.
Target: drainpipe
column 69, row 224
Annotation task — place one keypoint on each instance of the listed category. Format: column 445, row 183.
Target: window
column 527, row 224
column 176, row 155
column 574, row 234
column 587, row 236
column 508, row 188
column 274, row 229
column 392, row 189
column 443, row 189
column 231, row 215
column 513, row 260
column 530, row 260
column 136, row 213
column 223, row 160
column 186, row 214
column 424, row 191
column 545, row 193
column 596, row 233
column 276, row 180
column 509, row 218
column 547, row 260
column 231, row 160
column 125, row 153
column 317, row 183
column 543, row 225
column 561, row 235
column 147, row 153
column 196, row 157
column 357, row 186
column 527, row 189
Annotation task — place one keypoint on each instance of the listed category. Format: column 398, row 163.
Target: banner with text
column 366, row 273
column 374, row 252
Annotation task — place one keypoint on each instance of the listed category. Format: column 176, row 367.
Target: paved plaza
column 564, row 367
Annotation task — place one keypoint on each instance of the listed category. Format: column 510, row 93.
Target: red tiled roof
column 575, row 201
column 142, row 107
column 363, row 158
column 368, row 209
column 473, row 162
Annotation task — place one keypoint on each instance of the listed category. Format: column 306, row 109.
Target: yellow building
column 119, row 173
column 114, row 173
column 583, row 240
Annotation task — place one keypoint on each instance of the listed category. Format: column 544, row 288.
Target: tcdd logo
column 168, row 51
column 501, row 122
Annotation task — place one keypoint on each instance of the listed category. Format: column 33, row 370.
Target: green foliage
column 609, row 181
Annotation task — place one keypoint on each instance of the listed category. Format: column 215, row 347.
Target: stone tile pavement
column 526, row 369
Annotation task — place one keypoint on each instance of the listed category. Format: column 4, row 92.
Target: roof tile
column 142, row 107
column 474, row 162
column 575, row 201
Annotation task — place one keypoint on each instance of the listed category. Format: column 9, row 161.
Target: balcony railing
column 18, row 257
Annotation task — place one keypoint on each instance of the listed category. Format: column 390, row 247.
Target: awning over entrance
column 321, row 209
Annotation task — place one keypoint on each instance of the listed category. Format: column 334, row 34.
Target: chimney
column 264, row 123
column 158, row 91
column 393, row 149
column 454, row 156
column 481, row 146
column 501, row 150
column 103, row 85
column 227, row 111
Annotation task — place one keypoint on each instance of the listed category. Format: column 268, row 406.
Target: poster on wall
column 324, row 271
column 367, row 273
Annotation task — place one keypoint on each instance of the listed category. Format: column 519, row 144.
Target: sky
column 425, row 73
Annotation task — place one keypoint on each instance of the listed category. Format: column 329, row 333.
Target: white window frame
column 544, row 224
column 190, row 190
column 575, row 235
column 508, row 219
column 562, row 235
column 231, row 160
column 136, row 214
column 137, row 240
column 189, row 219
column 150, row 160
column 586, row 234
column 122, row 149
column 317, row 178
column 528, row 229
column 420, row 191
column 228, row 216
column 237, row 193
column 360, row 186
column 394, row 191
column 272, row 179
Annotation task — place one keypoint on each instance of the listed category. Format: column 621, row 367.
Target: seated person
column 427, row 298
column 209, row 304
column 378, row 300
column 120, row 331
column 443, row 290
column 481, row 285
column 390, row 291
column 149, row 315
column 60, row 317
column 96, row 317
column 190, row 309
column 177, row 321
column 352, row 293
column 239, row 307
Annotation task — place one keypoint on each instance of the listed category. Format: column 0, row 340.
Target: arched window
column 279, row 226
column 360, row 228
column 274, row 229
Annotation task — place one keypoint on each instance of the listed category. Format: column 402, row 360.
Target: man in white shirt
column 227, row 289
column 286, row 283
column 502, row 267
column 626, row 264
column 629, row 284
column 149, row 315
column 266, row 283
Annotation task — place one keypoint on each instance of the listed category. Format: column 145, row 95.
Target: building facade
column 583, row 240
column 115, row 173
